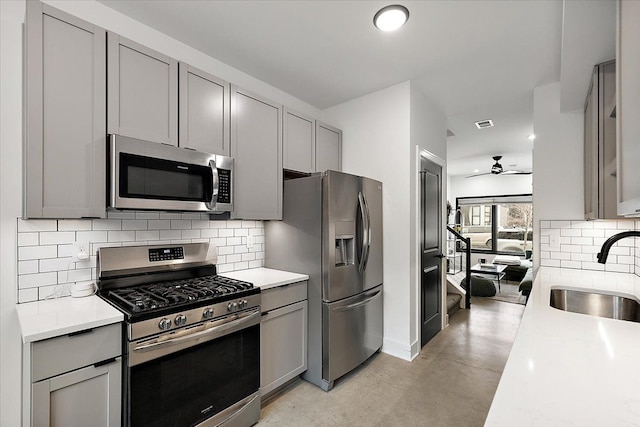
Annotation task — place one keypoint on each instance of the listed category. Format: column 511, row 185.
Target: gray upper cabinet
column 65, row 103
column 256, row 146
column 328, row 150
column 142, row 92
column 628, row 107
column 204, row 107
column 299, row 142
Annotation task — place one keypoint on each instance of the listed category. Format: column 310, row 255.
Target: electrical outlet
column 81, row 250
column 251, row 240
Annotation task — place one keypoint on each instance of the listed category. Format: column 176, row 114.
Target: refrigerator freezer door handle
column 365, row 232
column 359, row 303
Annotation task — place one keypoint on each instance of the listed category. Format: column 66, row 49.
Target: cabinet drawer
column 283, row 295
column 68, row 352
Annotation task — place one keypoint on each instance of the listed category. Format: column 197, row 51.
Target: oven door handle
column 211, row 331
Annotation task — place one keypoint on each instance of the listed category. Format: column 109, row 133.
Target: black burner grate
column 156, row 296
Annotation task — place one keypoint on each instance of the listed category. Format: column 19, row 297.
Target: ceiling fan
column 497, row 169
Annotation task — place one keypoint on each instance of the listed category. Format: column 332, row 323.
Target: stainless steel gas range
column 192, row 338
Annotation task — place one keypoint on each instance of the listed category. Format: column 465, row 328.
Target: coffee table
column 495, row 271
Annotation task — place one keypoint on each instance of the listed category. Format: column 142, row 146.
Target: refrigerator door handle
column 367, row 246
column 365, row 232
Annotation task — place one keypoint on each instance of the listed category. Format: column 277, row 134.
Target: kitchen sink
column 596, row 303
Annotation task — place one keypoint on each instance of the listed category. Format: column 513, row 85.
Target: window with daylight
column 498, row 224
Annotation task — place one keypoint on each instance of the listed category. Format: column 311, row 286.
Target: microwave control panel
column 224, row 186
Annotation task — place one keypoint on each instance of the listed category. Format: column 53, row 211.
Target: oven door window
column 189, row 386
column 151, row 178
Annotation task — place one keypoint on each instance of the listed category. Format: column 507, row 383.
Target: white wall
column 376, row 141
column 380, row 134
column 557, row 161
column 12, row 17
column 488, row 185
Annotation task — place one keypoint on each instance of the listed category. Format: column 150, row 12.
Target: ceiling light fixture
column 390, row 18
column 531, row 137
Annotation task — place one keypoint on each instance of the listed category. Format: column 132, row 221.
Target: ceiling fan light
column 390, row 18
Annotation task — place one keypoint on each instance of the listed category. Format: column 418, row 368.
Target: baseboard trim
column 396, row 349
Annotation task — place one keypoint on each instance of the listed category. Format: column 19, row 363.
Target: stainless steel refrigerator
column 332, row 231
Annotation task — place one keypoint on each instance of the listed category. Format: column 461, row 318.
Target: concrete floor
column 451, row 382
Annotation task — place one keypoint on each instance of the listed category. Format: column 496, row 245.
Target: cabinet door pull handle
column 82, row 332
column 104, row 362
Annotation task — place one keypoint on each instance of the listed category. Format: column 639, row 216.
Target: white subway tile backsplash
column 147, row 235
column 191, row 234
column 37, row 252
column 121, row 236
column 37, row 279
column 134, row 224
column 91, row 236
column 74, row 225
column 37, row 225
column 121, row 215
column 57, row 237
column 46, row 247
column 27, row 295
column 147, row 215
column 106, row 224
column 28, row 239
column 580, row 241
column 27, row 267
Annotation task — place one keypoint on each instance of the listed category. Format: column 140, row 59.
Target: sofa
column 526, row 283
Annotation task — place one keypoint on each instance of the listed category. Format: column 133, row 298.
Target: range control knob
column 207, row 313
column 181, row 319
column 242, row 303
column 232, row 306
column 164, row 324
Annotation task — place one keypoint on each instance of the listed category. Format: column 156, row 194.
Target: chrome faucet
column 604, row 251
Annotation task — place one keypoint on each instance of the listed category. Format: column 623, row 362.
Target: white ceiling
column 474, row 59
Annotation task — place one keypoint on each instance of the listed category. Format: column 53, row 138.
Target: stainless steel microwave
column 152, row 176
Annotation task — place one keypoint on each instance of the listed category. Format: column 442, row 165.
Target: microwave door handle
column 216, row 183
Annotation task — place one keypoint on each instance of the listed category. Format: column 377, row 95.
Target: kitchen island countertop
column 569, row 369
column 266, row 278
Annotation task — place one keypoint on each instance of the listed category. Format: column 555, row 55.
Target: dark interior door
column 431, row 249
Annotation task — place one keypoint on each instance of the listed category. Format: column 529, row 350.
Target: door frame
column 422, row 153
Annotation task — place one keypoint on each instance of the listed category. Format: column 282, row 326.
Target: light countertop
column 569, row 369
column 40, row 320
column 266, row 278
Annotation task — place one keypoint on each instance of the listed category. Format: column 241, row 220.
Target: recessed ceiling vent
column 484, row 124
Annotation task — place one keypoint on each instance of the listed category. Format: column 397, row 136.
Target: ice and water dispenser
column 345, row 242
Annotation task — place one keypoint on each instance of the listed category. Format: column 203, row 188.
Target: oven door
column 187, row 377
column 148, row 175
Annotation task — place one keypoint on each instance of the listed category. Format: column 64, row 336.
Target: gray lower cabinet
column 283, row 336
column 328, row 149
column 628, row 107
column 299, row 142
column 142, row 92
column 65, row 109
column 256, row 147
column 76, row 379
column 204, row 107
